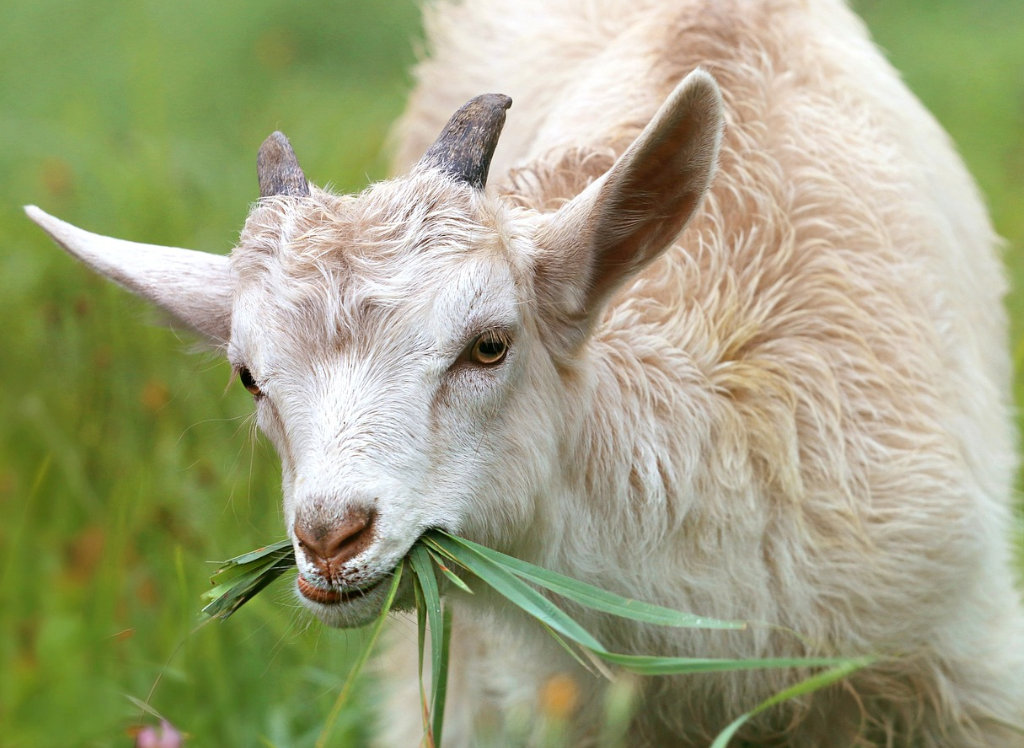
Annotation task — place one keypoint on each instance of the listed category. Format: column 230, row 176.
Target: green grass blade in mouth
column 451, row 575
column 441, row 682
column 279, row 549
column 568, row 647
column 239, row 579
column 516, row 591
column 421, row 635
column 649, row 665
column 583, row 593
column 439, row 621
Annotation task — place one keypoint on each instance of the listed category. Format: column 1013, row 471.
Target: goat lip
column 329, row 596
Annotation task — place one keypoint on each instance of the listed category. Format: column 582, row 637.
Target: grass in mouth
column 242, row 578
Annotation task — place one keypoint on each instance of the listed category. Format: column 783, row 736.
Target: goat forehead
column 428, row 302
column 332, row 267
column 389, row 222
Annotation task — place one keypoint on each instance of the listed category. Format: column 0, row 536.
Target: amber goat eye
column 245, row 376
column 489, row 349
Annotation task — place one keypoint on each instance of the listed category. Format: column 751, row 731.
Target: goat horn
column 466, row 144
column 278, row 169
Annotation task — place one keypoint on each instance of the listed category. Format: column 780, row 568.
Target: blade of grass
column 423, row 566
column 477, row 558
column 520, row 593
column 647, row 665
column 145, row 707
column 451, row 575
column 280, row 548
column 242, row 590
column 239, row 579
column 808, row 685
column 244, row 576
column 421, row 637
column 364, row 655
column 491, row 568
column 583, row 593
column 441, row 694
column 573, row 653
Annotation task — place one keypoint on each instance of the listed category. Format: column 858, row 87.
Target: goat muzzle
column 328, row 547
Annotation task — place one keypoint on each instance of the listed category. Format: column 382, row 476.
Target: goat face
column 417, row 353
column 388, row 342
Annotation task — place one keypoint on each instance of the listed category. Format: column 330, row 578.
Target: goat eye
column 489, row 349
column 245, row 376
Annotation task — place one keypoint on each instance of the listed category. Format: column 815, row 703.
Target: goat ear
column 629, row 216
column 195, row 288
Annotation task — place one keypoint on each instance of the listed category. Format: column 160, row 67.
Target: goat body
column 796, row 411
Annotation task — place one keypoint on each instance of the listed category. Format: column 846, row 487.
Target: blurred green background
column 125, row 463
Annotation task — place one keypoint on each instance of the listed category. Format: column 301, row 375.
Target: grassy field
column 125, row 464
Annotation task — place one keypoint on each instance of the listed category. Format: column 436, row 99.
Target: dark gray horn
column 278, row 169
column 466, row 144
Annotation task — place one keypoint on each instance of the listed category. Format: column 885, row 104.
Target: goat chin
column 714, row 324
column 351, row 609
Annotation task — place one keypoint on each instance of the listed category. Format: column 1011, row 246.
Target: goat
column 722, row 333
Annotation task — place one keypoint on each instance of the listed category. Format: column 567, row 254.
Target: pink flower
column 163, row 737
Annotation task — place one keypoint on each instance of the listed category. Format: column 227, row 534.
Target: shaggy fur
column 800, row 413
column 796, row 412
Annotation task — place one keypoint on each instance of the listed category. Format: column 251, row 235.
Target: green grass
column 435, row 558
column 125, row 464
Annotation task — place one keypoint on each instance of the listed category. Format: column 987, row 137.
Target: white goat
column 795, row 411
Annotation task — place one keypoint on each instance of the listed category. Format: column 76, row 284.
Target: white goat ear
column 625, row 219
column 195, row 288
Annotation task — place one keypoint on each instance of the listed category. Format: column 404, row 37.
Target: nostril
column 330, row 545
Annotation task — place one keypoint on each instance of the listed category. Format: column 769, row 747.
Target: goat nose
column 329, row 546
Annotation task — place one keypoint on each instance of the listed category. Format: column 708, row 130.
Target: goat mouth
column 331, row 596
